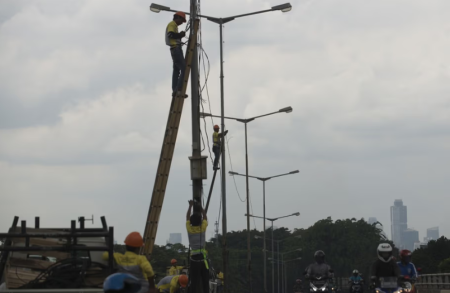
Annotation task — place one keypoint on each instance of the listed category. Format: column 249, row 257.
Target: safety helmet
column 319, row 256
column 134, row 239
column 405, row 255
column 182, row 15
column 384, row 252
column 355, row 272
column 216, row 126
column 121, row 283
column 173, row 261
column 298, row 281
column 183, row 280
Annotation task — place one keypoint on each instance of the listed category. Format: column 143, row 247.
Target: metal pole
column 222, row 165
column 282, row 272
column 273, row 267
column 249, row 255
column 264, row 227
column 278, row 258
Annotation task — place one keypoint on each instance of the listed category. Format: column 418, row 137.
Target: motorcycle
column 407, row 285
column 319, row 284
column 387, row 285
column 356, row 287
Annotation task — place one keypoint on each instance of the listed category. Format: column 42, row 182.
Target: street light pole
column 273, row 268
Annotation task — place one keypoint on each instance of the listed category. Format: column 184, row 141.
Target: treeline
column 348, row 244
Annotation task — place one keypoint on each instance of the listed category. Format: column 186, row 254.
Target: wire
column 231, row 167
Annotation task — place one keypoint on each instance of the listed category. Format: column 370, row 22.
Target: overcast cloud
column 85, row 92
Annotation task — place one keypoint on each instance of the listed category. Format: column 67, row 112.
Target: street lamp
column 273, row 220
column 264, row 179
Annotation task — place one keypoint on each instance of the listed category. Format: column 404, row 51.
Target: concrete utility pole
column 196, row 164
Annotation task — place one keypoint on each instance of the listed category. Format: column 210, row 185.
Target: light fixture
column 233, row 173
column 283, row 7
column 157, row 8
column 293, row 172
column 296, row 214
column 287, row 110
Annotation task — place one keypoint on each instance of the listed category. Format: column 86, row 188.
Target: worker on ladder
column 199, row 269
column 217, row 139
column 137, row 265
column 173, row 40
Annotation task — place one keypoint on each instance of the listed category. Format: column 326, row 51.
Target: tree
column 444, row 266
column 428, row 258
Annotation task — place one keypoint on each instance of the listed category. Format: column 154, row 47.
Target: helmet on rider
column 319, row 256
column 384, row 252
column 405, row 256
column 121, row 283
column 355, row 273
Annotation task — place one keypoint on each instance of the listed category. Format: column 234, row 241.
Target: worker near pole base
column 174, row 269
column 217, row 138
column 199, row 269
column 220, row 281
column 171, row 284
column 134, row 264
column 173, row 40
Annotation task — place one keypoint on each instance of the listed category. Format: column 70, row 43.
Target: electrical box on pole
column 198, row 167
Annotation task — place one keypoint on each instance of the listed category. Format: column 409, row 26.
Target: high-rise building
column 433, row 233
column 409, row 237
column 399, row 221
column 372, row 220
column 174, row 238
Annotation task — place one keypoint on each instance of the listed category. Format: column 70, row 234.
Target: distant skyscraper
column 399, row 221
column 175, row 238
column 409, row 238
column 433, row 233
column 372, row 220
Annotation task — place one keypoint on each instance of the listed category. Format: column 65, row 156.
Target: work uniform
column 407, row 269
column 173, row 40
column 220, row 285
column 135, row 265
column 199, row 269
column 175, row 270
column 168, row 284
column 216, row 148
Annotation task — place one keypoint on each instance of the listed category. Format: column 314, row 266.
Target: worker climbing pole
column 168, row 147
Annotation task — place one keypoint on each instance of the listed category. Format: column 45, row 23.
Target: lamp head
column 233, row 173
column 294, row 172
column 157, row 8
column 286, row 110
column 296, row 214
column 283, row 7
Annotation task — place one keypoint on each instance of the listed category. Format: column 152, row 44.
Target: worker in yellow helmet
column 173, row 40
column 217, row 145
column 198, row 268
column 134, row 264
column 174, row 269
column 220, row 283
column 171, row 284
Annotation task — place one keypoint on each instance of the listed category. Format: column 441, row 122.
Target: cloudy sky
column 85, row 91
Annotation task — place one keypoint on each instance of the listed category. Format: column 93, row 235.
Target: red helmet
column 216, row 126
column 405, row 255
column 182, row 15
column 173, row 261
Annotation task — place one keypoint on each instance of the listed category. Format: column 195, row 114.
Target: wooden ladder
column 168, row 147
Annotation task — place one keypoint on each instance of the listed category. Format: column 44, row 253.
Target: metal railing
column 433, row 283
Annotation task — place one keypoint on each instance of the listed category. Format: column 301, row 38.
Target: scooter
column 356, row 287
column 318, row 284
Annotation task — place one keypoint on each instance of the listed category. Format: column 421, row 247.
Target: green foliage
column 429, row 258
column 444, row 266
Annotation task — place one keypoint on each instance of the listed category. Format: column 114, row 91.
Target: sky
column 85, row 89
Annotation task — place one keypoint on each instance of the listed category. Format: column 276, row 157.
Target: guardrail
column 433, row 283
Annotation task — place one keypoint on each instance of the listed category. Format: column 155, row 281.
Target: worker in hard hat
column 173, row 40
column 137, row 265
column 174, row 269
column 220, row 281
column 217, row 137
column 171, row 284
column 199, row 269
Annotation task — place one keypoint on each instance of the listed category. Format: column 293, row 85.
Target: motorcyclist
column 298, row 286
column 407, row 268
column 385, row 265
column 320, row 268
column 356, row 277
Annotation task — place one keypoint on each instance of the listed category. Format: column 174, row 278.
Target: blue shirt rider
column 407, row 268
